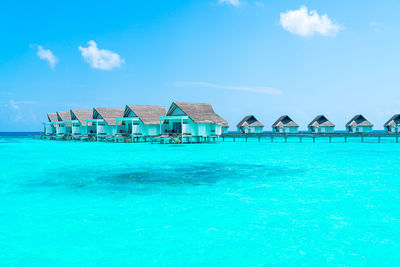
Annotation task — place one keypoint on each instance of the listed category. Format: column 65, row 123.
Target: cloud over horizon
column 47, row 55
column 100, row 58
column 16, row 105
column 262, row 90
column 229, row 2
column 307, row 23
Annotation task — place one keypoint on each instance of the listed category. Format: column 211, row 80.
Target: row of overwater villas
column 190, row 119
column 358, row 124
column 197, row 120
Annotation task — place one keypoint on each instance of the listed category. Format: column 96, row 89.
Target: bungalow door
column 212, row 129
column 177, row 127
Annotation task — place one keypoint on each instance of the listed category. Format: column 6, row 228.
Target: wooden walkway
column 259, row 137
column 312, row 137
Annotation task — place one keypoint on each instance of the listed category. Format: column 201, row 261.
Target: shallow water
column 226, row 204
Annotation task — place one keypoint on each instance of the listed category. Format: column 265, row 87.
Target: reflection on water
column 206, row 173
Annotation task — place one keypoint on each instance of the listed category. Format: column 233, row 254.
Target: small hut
column 224, row 127
column 359, row 124
column 78, row 120
column 393, row 125
column 285, row 125
column 50, row 126
column 197, row 120
column 64, row 123
column 141, row 120
column 321, row 125
column 105, row 121
column 249, row 124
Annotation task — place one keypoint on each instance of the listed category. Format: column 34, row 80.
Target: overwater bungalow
column 285, row 125
column 64, row 126
column 321, row 125
column 194, row 121
column 393, row 125
column 249, row 124
column 79, row 125
column 50, row 126
column 224, row 127
column 105, row 122
column 141, row 120
column 359, row 124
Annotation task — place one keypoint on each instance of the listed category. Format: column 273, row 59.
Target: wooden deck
column 249, row 137
column 312, row 137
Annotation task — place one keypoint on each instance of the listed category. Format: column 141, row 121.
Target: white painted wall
column 49, row 129
column 61, row 130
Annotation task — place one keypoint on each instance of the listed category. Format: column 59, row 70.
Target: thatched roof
column 198, row 112
column 147, row 114
column 64, row 115
column 394, row 121
column 321, row 121
column 82, row 115
column 359, row 120
column 284, row 121
column 249, row 121
column 52, row 117
column 109, row 115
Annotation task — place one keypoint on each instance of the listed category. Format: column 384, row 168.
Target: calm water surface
column 226, row 204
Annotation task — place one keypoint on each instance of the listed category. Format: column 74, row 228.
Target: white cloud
column 304, row 23
column 100, row 58
column 16, row 105
column 12, row 104
column 229, row 2
column 260, row 4
column 47, row 55
column 375, row 26
column 262, row 90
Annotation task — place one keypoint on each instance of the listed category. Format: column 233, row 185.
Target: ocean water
column 226, row 204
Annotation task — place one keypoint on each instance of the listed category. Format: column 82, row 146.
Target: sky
column 266, row 58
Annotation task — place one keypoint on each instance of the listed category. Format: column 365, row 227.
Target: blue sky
column 266, row 58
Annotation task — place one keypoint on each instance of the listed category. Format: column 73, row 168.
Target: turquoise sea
column 226, row 204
